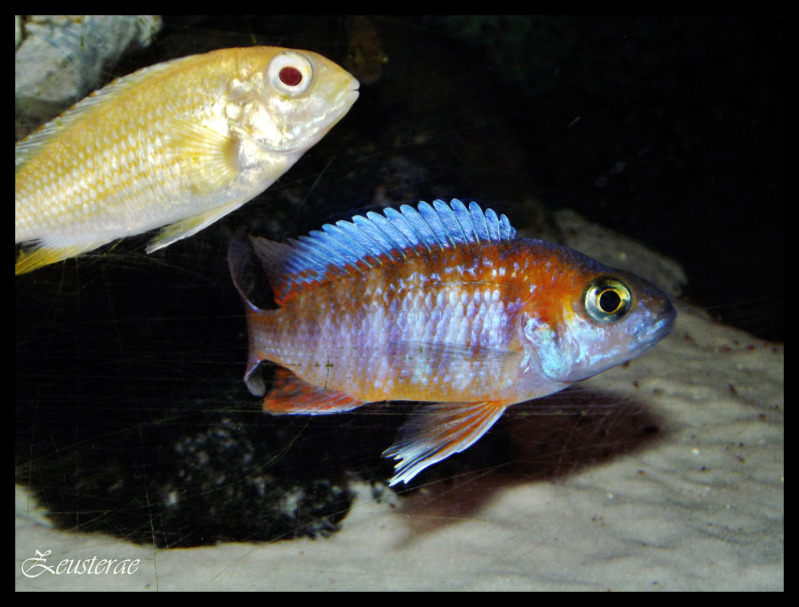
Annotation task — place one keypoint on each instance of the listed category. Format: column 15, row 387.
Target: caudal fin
column 239, row 257
column 44, row 255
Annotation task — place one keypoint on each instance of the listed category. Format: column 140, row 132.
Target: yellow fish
column 178, row 144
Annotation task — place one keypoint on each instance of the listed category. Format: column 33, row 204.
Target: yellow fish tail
column 34, row 259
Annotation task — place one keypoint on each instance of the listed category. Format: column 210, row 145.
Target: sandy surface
column 699, row 507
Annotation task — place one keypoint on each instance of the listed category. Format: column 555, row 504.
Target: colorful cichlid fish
column 179, row 144
column 441, row 304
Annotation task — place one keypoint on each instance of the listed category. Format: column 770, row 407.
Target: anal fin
column 291, row 395
column 437, row 431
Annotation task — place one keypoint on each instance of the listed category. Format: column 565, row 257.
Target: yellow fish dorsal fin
column 350, row 247
column 41, row 138
column 437, row 431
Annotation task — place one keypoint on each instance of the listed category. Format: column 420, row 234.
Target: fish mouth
column 352, row 90
column 656, row 332
column 665, row 325
column 345, row 100
column 352, row 96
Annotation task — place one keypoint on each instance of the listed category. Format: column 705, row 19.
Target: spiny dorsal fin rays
column 365, row 241
column 450, row 218
column 506, row 230
column 427, row 224
column 349, row 246
column 390, row 238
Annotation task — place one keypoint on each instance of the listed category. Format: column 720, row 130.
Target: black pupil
column 609, row 301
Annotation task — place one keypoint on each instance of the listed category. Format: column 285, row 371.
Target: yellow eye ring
column 607, row 299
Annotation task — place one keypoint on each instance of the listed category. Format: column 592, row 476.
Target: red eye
column 290, row 73
column 290, row 76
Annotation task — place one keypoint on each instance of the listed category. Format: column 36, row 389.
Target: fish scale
column 310, row 329
column 179, row 144
column 440, row 304
column 128, row 138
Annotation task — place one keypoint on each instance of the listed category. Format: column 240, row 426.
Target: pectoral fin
column 208, row 160
column 291, row 395
column 207, row 157
column 436, row 432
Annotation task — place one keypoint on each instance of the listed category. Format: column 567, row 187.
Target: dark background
column 131, row 416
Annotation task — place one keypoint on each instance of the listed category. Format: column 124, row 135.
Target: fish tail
column 238, row 261
column 36, row 258
column 255, row 355
column 258, row 320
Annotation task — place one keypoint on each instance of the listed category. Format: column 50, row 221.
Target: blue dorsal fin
column 349, row 247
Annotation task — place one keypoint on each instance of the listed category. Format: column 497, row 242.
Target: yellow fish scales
column 175, row 146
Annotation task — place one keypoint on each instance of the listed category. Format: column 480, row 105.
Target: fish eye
column 290, row 73
column 607, row 299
